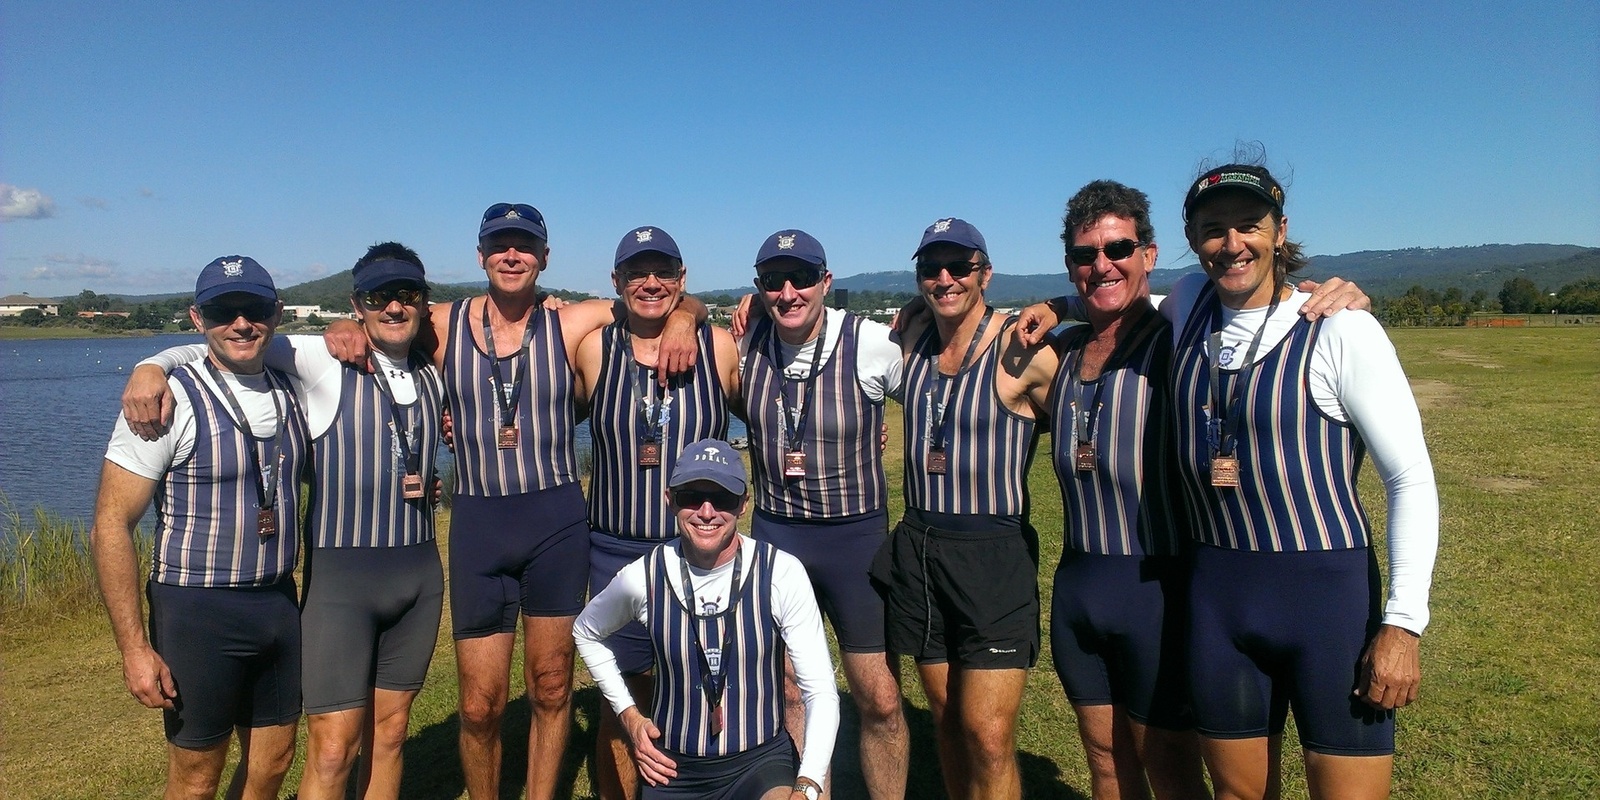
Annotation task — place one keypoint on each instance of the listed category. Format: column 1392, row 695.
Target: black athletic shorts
column 370, row 618
column 525, row 551
column 966, row 597
column 608, row 554
column 234, row 654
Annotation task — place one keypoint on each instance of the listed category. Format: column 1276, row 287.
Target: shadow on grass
column 433, row 762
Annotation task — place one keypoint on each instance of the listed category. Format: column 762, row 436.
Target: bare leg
column 333, row 740
column 874, row 680
column 1115, row 771
column 547, row 666
column 616, row 776
column 194, row 774
column 941, row 692
column 1171, row 762
column 1348, row 777
column 986, row 703
column 483, row 667
column 1244, row 769
column 265, row 755
column 391, row 720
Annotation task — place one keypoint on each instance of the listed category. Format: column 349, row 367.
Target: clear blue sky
column 140, row 140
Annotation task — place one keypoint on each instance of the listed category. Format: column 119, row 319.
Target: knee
column 193, row 784
column 991, row 744
column 389, row 733
column 480, row 710
column 550, row 689
column 329, row 756
column 880, row 710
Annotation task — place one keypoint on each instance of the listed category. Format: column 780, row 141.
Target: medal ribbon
column 714, row 681
column 508, row 406
column 644, row 387
column 413, row 457
column 1230, row 415
column 266, row 492
column 1086, row 417
column 946, row 390
column 795, row 428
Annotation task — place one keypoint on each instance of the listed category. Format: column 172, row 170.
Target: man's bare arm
column 122, row 500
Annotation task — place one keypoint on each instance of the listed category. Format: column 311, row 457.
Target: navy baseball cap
column 385, row 271
column 1248, row 177
column 952, row 230
column 509, row 216
column 792, row 244
column 709, row 460
column 233, row 274
column 646, row 240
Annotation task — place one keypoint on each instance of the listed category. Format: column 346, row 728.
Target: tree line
column 1421, row 306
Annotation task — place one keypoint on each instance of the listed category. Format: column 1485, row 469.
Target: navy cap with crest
column 646, row 240
column 385, row 271
column 233, row 274
column 513, row 216
column 955, row 231
column 1245, row 177
column 792, row 243
column 709, row 460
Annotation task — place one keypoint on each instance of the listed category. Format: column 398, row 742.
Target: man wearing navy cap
column 721, row 611
column 222, row 649
column 961, row 569
column 637, row 429
column 815, row 380
column 374, row 584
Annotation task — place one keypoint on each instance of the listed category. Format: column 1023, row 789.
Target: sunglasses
column 692, row 499
column 1115, row 251
column 224, row 313
column 379, row 299
column 929, row 270
column 634, row 277
column 523, row 210
column 803, row 278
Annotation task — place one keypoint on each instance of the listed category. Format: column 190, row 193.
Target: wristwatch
column 808, row 787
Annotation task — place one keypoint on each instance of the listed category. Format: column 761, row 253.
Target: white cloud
column 95, row 202
column 59, row 266
column 19, row 203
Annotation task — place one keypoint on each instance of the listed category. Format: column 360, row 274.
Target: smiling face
column 1110, row 288
column 392, row 324
column 1236, row 236
column 949, row 297
column 796, row 312
column 238, row 326
column 708, row 533
column 513, row 259
column 649, row 284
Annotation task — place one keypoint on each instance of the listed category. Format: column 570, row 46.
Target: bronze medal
column 1225, row 471
column 937, row 463
column 266, row 522
column 411, row 486
column 714, row 719
column 649, row 454
column 508, row 437
column 794, row 464
column 1083, row 457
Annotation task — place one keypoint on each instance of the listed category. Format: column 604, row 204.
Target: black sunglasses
column 1115, row 251
column 379, row 299
column 523, row 210
column 693, row 498
column 803, row 278
column 929, row 270
column 633, row 277
column 224, row 313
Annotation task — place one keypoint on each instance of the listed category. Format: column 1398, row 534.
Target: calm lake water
column 58, row 401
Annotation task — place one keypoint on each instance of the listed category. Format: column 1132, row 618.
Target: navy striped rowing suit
column 357, row 499
column 627, row 500
column 1285, row 585
column 844, row 462
column 1117, row 606
column 544, row 456
column 752, row 703
column 206, row 506
column 989, row 446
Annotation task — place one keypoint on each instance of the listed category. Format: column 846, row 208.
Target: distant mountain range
column 1382, row 273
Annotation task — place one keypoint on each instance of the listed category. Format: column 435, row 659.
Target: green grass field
column 1510, row 705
